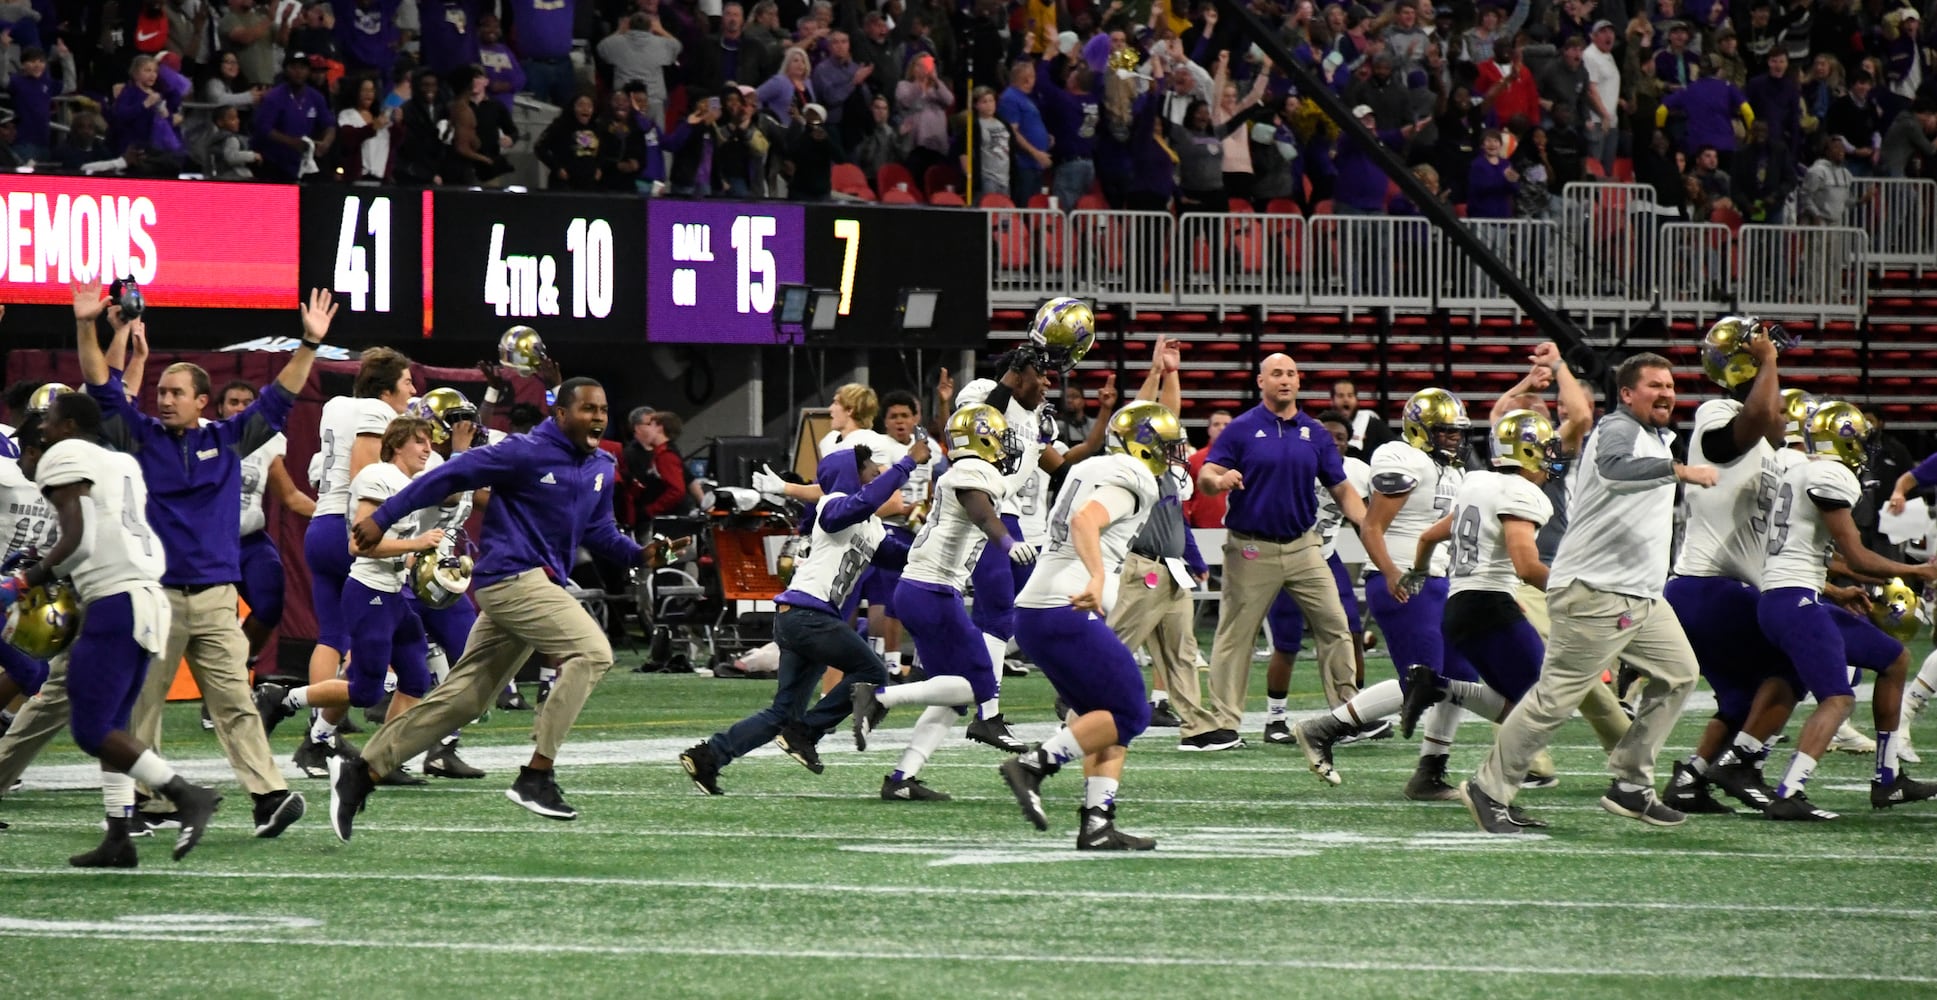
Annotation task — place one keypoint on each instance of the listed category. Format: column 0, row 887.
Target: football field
column 1264, row 880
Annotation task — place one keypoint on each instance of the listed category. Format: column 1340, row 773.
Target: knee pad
column 413, row 680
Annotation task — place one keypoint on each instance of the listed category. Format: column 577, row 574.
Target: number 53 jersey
column 1479, row 560
column 125, row 554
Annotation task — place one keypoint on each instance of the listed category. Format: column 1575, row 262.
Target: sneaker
column 1688, row 793
column 510, row 700
column 1905, row 752
column 996, row 733
column 1161, row 717
column 1521, row 819
column 1798, row 808
column 538, row 791
column 313, row 759
column 1278, row 733
column 795, row 742
column 350, row 787
column 1540, row 781
column 868, row 713
column 1742, row 781
column 208, row 724
column 1903, row 789
column 1106, row 837
column 909, row 790
column 115, row 850
column 1641, row 805
column 378, row 712
column 1315, row 737
column 195, row 807
column 1379, row 729
column 1428, row 781
column 1026, row 783
column 1492, row 816
column 1214, row 740
column 1014, row 668
column 269, row 705
column 402, row 778
column 277, row 811
column 1422, row 693
column 443, row 762
column 544, row 691
column 704, row 768
column 1851, row 741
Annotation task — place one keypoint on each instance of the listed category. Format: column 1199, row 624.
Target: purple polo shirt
column 302, row 114
column 1710, row 104
column 1280, row 460
column 542, row 28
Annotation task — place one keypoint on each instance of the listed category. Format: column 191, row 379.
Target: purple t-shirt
column 367, row 33
column 542, row 28
column 501, row 66
column 1489, row 195
column 1710, row 103
column 450, row 34
column 303, row 114
column 33, row 107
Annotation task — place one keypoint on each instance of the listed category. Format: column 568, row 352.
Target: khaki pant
column 1600, row 708
column 1160, row 617
column 1592, row 629
column 39, row 721
column 1254, row 572
column 204, row 627
column 515, row 616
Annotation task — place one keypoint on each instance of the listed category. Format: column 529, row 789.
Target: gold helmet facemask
column 1149, row 433
column 980, row 430
column 521, row 349
column 443, row 407
column 1428, row 415
column 1524, row 439
column 44, row 621
column 1725, row 349
column 1840, row 431
column 1063, row 332
column 1893, row 607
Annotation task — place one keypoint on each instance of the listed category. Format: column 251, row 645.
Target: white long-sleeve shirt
column 1621, row 518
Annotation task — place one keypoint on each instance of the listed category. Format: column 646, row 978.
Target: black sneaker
column 1106, row 837
column 1278, row 732
column 1903, row 789
column 195, row 807
column 1797, row 808
column 1428, row 781
column 1026, row 783
column 313, row 758
column 277, row 811
column 1540, row 781
column 1377, row 729
column 1014, row 668
column 443, row 762
column 996, row 733
column 1212, row 741
column 402, row 778
column 1422, row 693
column 350, row 787
column 868, row 713
column 1161, row 717
column 704, row 768
column 511, row 701
column 796, row 742
column 1641, row 805
column 1741, row 780
column 269, row 698
column 909, row 790
column 378, row 712
column 115, row 850
column 208, row 724
column 144, row 824
column 1688, row 793
column 1521, row 819
column 1492, row 816
column 1315, row 737
column 538, row 791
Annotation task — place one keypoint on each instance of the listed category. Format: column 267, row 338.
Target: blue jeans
column 551, row 80
column 1025, row 181
column 810, row 641
column 1071, row 181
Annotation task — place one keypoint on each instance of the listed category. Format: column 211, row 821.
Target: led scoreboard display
column 566, row 264
column 369, row 247
column 714, row 269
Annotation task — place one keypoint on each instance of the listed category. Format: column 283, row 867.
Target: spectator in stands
column 1907, row 66
column 542, row 33
column 1458, row 128
column 1201, row 510
column 420, row 149
column 467, row 159
column 1776, row 100
column 986, row 160
column 33, row 100
column 1506, row 86
column 85, row 142
column 838, row 79
column 248, row 31
column 641, row 50
column 315, row 33
column 294, row 128
column 226, row 85
column 693, row 146
column 763, row 29
column 1030, row 136
column 366, row 135
column 1760, row 181
column 1406, row 40
column 745, row 145
column 1825, row 194
column 728, row 55
column 229, row 155
column 1199, row 145
column 1564, row 83
column 880, row 144
column 1491, row 182
column 501, row 68
column 645, row 142
column 449, row 36
column 653, row 470
column 1382, row 91
column 812, row 150
column 1858, row 119
column 367, row 35
column 1361, row 185
column 496, row 131
column 784, row 94
column 1706, row 169
column 1908, row 139
column 1477, row 43
column 146, row 113
column 1072, row 113
column 1278, row 167
column 923, row 100
column 1711, row 107
column 874, row 48
column 1822, row 88
column 572, row 150
column 1073, row 416
column 1724, row 61
column 1676, row 66
column 1369, row 430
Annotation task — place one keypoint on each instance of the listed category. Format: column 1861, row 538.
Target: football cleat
column 1422, row 693
column 1742, row 781
column 195, row 807
column 510, row 700
column 1278, row 732
column 1315, row 737
column 1798, row 808
column 1688, row 793
column 1900, row 791
column 1540, row 781
column 1518, row 818
column 995, row 732
column 1377, row 729
column 1106, row 837
column 796, row 742
column 269, row 698
column 1641, row 805
column 278, row 811
column 443, row 762
column 538, row 791
column 704, row 768
column 402, row 778
column 115, row 850
column 1026, row 783
column 909, row 790
column 313, row 758
column 1428, row 781
column 867, row 713
column 1850, row 740
column 1492, row 816
column 350, row 787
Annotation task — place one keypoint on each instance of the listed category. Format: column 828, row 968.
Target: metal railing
column 1530, row 248
column 1695, row 264
column 1900, row 217
column 1610, row 229
column 1123, row 257
column 1360, row 262
column 1242, row 257
column 1810, row 270
column 1028, row 254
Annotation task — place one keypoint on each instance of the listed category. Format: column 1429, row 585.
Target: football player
column 810, row 622
column 983, row 451
column 115, row 561
column 27, row 525
column 1060, row 621
column 901, row 415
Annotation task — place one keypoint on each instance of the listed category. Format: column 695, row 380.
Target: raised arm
column 317, row 314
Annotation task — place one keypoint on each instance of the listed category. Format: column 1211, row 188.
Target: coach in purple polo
column 1272, row 460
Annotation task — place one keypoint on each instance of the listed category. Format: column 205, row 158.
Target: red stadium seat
column 950, row 199
column 847, row 178
column 1281, row 206
column 991, row 200
column 895, row 175
column 898, row 197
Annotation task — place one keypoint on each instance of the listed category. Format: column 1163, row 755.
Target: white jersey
column 26, row 518
column 1728, row 523
column 1033, row 503
column 1429, row 488
column 344, row 420
column 453, row 516
column 379, row 481
column 1799, row 541
column 255, row 479
column 1331, row 520
column 1128, row 490
column 126, row 556
column 836, row 559
column 1480, row 560
column 1034, row 430
column 946, row 548
column 883, row 448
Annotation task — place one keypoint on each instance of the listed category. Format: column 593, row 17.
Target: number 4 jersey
column 1113, row 480
column 124, row 555
column 1479, row 543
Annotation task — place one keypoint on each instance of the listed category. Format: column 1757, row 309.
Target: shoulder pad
column 1394, row 483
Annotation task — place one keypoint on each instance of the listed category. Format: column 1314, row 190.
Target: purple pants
column 326, row 549
column 1507, row 656
column 1414, row 630
column 105, row 669
column 1288, row 621
column 1716, row 612
column 261, row 586
column 1823, row 641
column 388, row 637
column 27, row 673
column 1088, row 664
column 948, row 642
column 997, row 579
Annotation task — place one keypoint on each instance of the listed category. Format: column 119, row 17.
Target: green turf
column 800, row 886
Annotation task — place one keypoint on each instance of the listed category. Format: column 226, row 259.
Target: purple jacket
column 132, row 123
column 1489, row 195
column 1361, row 184
column 542, row 29
column 1710, row 104
column 450, row 33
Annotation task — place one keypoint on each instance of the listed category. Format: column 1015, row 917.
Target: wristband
column 313, row 345
column 491, row 394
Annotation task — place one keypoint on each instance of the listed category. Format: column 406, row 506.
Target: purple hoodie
column 847, row 504
column 542, row 29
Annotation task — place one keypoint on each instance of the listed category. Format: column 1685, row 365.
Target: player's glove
column 1022, row 553
column 1413, row 582
column 770, row 485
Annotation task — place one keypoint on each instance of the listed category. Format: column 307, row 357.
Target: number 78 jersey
column 125, row 555
column 1428, row 487
column 1480, row 561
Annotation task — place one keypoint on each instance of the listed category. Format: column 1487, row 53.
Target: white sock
column 297, row 699
column 945, row 691
column 1060, row 749
column 1099, row 793
column 1478, row 699
column 1698, row 765
column 1274, row 709
column 1801, row 766
column 117, row 792
column 1158, row 696
column 321, row 730
column 989, row 709
column 439, row 662
column 1442, row 721
column 930, row 729
column 998, row 651
column 1373, row 703
column 893, row 659
column 1749, row 745
column 151, row 770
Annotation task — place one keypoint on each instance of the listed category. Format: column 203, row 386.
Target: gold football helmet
column 793, row 552
column 442, row 406
column 1126, row 57
column 1063, row 331
column 1725, row 348
column 1430, row 415
column 1524, row 439
column 44, row 621
column 1797, row 405
column 1149, row 433
column 981, row 430
column 1893, row 607
column 520, row 349
column 439, row 581
column 1841, row 431
column 43, row 397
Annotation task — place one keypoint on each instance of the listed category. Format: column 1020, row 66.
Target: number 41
column 352, row 278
